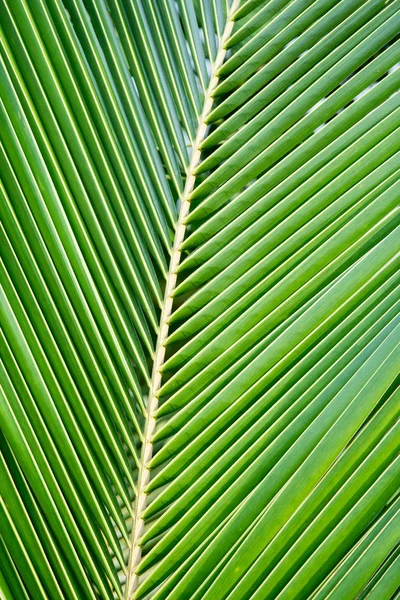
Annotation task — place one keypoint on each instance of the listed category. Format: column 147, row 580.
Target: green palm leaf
column 199, row 299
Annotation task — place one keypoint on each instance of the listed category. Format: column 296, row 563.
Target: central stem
column 152, row 404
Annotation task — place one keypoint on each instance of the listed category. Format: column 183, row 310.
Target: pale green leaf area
column 199, row 299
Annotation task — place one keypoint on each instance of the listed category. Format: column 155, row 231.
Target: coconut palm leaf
column 199, row 299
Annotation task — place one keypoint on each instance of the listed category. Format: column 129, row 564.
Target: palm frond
column 199, row 299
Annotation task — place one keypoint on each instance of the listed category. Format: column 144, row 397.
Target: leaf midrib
column 159, row 355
